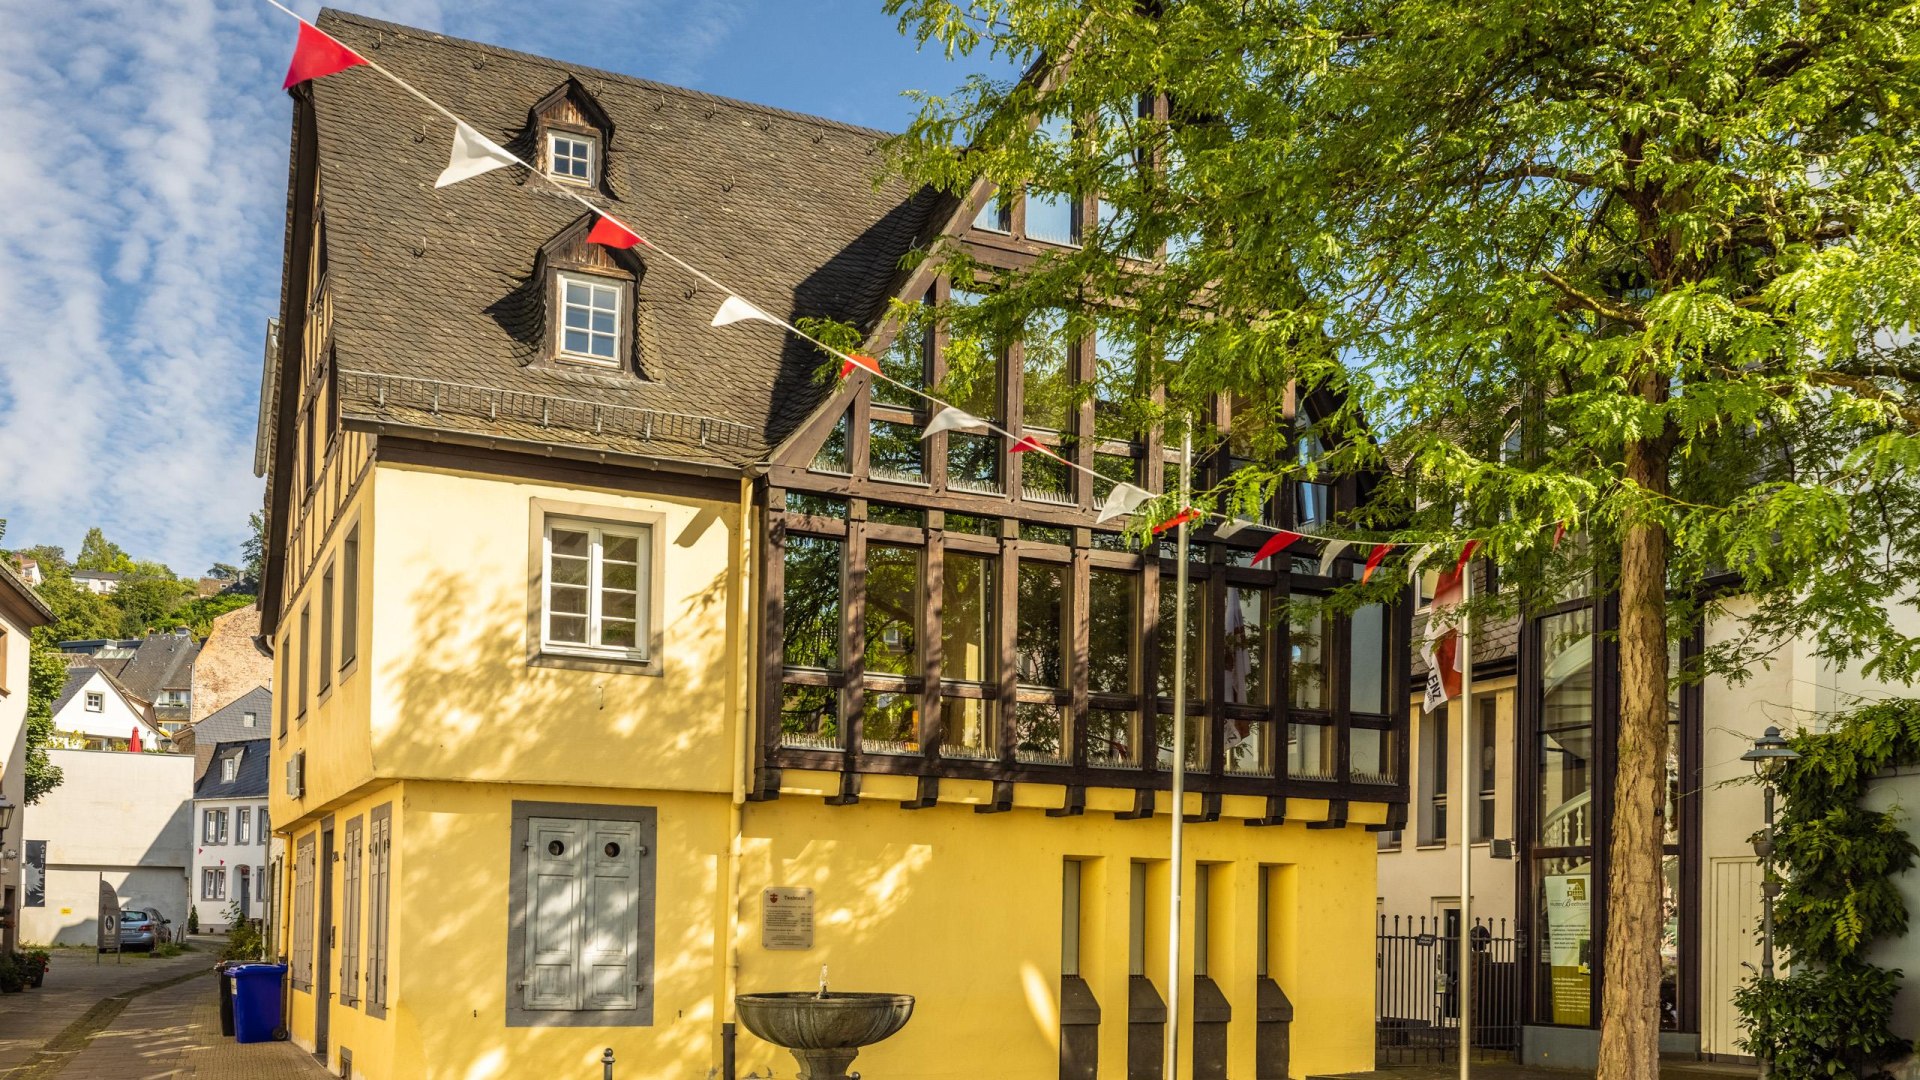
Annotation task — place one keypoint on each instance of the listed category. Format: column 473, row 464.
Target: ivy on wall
column 1831, row 1017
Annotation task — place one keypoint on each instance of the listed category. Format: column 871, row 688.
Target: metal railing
column 439, row 396
column 1417, row 966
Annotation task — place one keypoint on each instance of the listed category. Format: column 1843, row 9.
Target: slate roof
column 227, row 725
column 160, row 662
column 436, row 310
column 249, row 783
column 76, row 678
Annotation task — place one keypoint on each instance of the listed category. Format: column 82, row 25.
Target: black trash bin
column 226, row 998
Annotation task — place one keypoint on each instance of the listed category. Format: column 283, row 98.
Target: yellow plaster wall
column 960, row 909
column 455, row 696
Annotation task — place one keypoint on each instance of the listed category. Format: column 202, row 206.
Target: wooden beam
column 1002, row 799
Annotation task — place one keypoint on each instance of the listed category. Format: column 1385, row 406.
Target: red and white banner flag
column 1331, row 552
column 1374, row 559
column 858, row 360
column 473, row 155
column 1123, row 499
column 609, row 233
column 1275, row 544
column 1026, row 444
column 1440, row 646
column 952, row 419
column 733, row 310
column 1177, row 520
column 317, row 55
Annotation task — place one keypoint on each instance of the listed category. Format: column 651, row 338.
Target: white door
column 1731, row 938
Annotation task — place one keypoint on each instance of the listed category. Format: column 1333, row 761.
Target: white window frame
column 230, row 769
column 597, row 532
column 213, row 883
column 243, row 825
column 249, row 719
column 591, row 142
column 96, row 701
column 599, row 281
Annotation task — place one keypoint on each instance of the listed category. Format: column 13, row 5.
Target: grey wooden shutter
column 350, row 914
column 379, row 890
column 610, row 952
column 554, row 887
column 303, row 868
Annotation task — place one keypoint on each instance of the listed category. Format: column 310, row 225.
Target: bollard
column 606, row 1064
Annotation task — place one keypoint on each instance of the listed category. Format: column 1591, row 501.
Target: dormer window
column 590, row 318
column 571, row 156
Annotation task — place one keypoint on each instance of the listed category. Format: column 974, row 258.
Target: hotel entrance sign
column 786, row 918
column 1569, row 944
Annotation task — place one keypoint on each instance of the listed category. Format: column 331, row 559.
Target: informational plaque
column 786, row 918
column 109, row 917
column 1569, row 944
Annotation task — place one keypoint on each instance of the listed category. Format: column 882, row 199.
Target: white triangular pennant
column 1413, row 564
column 1123, row 499
column 1332, row 552
column 734, row 309
column 952, row 419
column 1232, row 528
column 473, row 154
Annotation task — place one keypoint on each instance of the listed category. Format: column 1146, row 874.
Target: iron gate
column 1417, row 966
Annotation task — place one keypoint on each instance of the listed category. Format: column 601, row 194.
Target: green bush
column 244, row 940
column 193, row 918
column 1820, row 1024
column 12, row 978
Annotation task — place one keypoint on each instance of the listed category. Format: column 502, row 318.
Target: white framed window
column 213, row 884
column 230, row 769
column 248, row 719
column 173, row 697
column 243, row 826
column 594, row 588
column 96, row 701
column 589, row 323
column 213, row 827
column 570, row 156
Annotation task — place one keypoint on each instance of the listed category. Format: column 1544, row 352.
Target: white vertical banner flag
column 1123, row 499
column 473, row 154
column 734, row 309
column 952, row 419
column 1332, row 552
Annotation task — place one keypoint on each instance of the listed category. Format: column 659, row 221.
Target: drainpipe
column 746, row 639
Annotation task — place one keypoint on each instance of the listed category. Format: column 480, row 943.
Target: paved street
column 1671, row 1070
column 139, row 1019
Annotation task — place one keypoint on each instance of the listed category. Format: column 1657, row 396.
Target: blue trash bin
column 256, row 1001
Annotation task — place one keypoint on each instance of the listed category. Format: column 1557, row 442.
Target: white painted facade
column 119, row 817
column 229, row 858
column 101, row 716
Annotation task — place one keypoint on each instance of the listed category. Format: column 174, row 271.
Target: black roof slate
column 251, row 780
column 790, row 210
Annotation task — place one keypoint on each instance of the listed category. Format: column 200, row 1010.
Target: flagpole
column 1171, row 1071
column 1464, row 655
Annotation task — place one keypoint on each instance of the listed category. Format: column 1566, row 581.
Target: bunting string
column 318, row 54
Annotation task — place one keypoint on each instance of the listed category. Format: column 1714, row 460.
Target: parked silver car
column 142, row 928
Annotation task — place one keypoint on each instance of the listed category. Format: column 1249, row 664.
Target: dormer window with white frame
column 573, row 156
column 96, row 701
column 591, row 308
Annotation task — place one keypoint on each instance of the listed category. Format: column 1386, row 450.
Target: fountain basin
column 803, row 1020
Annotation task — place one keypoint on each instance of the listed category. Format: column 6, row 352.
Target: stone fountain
column 824, row 1030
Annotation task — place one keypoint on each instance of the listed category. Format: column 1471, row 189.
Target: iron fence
column 1417, row 969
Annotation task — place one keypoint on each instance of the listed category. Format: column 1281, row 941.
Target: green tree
column 46, row 674
column 198, row 613
column 101, row 554
column 253, row 549
column 148, row 595
column 1671, row 238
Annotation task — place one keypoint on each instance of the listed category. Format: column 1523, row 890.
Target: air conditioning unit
column 297, row 775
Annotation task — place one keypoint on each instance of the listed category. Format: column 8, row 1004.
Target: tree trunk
column 1630, row 1002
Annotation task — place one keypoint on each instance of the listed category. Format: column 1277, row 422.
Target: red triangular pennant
column 317, row 55
column 613, row 234
column 1177, row 520
column 1275, row 544
column 1559, row 533
column 1024, row 444
column 1374, row 558
column 855, row 360
column 1466, row 553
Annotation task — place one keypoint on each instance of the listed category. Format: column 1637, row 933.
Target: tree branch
column 1595, row 304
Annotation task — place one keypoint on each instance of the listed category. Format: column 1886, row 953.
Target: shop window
column 1312, row 660
column 1042, row 651
column 1368, row 660
column 1310, row 752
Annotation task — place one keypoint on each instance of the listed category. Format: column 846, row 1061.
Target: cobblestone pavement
column 150, row 1020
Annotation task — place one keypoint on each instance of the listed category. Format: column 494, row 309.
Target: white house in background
column 94, row 712
column 102, row 582
column 20, row 612
column 230, row 819
column 123, row 818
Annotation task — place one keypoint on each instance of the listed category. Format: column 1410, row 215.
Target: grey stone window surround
column 647, row 818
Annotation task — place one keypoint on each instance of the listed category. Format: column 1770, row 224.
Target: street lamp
column 1770, row 754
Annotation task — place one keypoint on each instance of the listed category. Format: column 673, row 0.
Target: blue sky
column 144, row 192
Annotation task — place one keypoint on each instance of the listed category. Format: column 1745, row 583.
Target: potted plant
column 193, row 919
column 34, row 963
column 12, row 979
